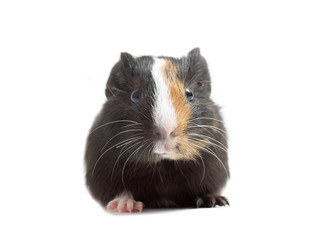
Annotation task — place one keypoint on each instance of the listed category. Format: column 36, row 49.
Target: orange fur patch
column 182, row 108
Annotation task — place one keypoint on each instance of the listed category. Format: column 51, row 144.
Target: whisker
column 221, row 132
column 202, row 161
column 130, row 130
column 124, row 149
column 139, row 157
column 150, row 151
column 203, row 104
column 120, row 154
column 127, row 141
column 145, row 116
column 206, row 118
column 209, row 151
column 130, row 125
column 176, row 163
column 124, row 165
column 208, row 126
column 108, row 123
column 212, row 144
column 211, row 133
column 96, row 163
column 220, row 144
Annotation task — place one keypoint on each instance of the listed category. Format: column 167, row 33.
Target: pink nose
column 165, row 133
column 165, row 137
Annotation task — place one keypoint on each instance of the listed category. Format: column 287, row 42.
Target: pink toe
column 138, row 206
column 122, row 206
column 112, row 205
column 130, row 205
column 123, row 210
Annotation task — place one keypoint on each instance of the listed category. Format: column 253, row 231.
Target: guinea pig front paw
column 125, row 203
column 210, row 201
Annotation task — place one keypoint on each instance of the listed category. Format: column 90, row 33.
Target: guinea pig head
column 162, row 95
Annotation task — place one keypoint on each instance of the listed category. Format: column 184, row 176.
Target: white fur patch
column 164, row 114
column 124, row 196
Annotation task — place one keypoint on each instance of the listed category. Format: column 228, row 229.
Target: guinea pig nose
column 164, row 132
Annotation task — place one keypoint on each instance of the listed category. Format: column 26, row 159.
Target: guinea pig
column 159, row 140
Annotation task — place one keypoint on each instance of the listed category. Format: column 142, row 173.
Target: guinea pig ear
column 194, row 54
column 195, row 60
column 127, row 60
column 197, row 63
column 197, row 68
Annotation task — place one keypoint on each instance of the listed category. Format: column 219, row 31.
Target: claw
column 199, row 202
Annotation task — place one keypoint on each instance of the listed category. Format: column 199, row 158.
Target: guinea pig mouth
column 165, row 156
column 172, row 154
column 163, row 153
column 174, row 149
column 164, row 147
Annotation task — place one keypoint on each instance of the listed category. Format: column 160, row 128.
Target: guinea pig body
column 159, row 140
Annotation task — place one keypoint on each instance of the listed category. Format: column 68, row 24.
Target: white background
column 272, row 67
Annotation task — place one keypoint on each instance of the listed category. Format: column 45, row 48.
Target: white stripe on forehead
column 163, row 112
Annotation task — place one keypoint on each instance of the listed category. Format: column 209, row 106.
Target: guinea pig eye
column 201, row 84
column 189, row 94
column 135, row 96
